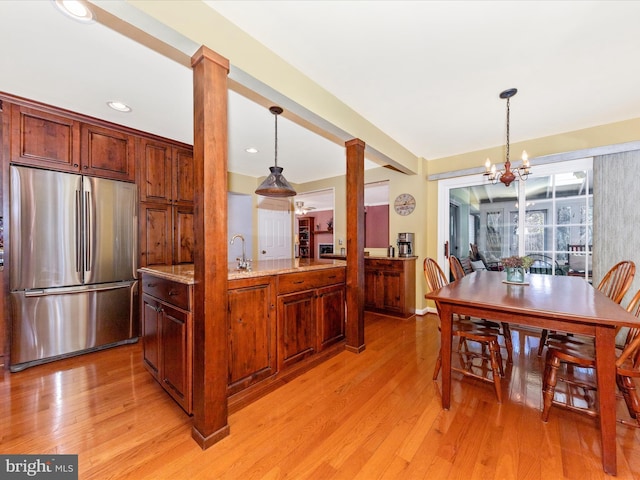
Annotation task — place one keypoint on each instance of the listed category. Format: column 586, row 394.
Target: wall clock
column 404, row 204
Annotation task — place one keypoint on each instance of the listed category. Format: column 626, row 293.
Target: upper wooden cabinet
column 183, row 174
column 166, row 203
column 44, row 139
column 167, row 172
column 105, row 152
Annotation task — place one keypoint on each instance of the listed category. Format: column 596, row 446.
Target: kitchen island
column 284, row 317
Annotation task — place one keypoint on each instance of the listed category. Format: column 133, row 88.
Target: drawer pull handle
column 151, row 285
column 298, row 282
column 332, row 276
column 173, row 293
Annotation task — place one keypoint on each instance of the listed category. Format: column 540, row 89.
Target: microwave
column 325, row 248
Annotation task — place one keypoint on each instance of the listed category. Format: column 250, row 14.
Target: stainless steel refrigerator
column 73, row 264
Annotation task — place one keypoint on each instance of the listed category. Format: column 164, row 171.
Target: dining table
column 552, row 302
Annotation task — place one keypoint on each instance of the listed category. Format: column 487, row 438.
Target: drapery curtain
column 616, row 214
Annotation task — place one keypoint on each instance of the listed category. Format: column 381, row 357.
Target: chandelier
column 507, row 175
column 275, row 185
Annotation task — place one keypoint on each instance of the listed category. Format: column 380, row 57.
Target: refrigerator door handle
column 79, row 266
column 42, row 292
column 87, row 231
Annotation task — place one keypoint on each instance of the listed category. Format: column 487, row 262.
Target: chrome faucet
column 243, row 263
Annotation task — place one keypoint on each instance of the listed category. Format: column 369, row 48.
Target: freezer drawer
column 53, row 323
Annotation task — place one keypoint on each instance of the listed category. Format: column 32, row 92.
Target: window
column 545, row 217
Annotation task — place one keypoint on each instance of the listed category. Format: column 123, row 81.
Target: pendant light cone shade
column 275, row 185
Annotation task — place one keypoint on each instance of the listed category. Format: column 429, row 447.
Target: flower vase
column 515, row 274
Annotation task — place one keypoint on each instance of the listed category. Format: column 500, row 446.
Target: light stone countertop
column 184, row 273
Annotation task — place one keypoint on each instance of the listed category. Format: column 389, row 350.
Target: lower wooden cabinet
column 390, row 285
column 167, row 336
column 278, row 326
column 311, row 313
column 252, row 332
column 331, row 302
column 297, row 336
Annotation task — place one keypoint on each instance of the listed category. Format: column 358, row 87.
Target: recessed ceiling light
column 251, row 150
column 119, row 106
column 75, row 9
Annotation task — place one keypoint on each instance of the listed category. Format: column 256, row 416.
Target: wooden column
column 355, row 245
column 210, row 72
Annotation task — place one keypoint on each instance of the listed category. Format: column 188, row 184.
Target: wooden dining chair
column 458, row 272
column 468, row 331
column 575, row 366
column 456, row 267
column 614, row 285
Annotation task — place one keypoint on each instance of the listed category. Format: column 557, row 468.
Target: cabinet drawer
column 383, row 264
column 297, row 282
column 174, row 293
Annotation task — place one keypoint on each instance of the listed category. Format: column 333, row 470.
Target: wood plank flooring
column 367, row 416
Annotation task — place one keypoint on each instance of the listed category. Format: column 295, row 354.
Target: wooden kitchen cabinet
column 252, row 332
column 106, row 152
column 278, row 326
column 331, row 302
column 167, row 172
column 166, row 203
column 43, row 138
column 156, row 234
column 167, row 334
column 297, row 327
column 166, row 234
column 183, row 234
column 310, row 313
column 390, row 285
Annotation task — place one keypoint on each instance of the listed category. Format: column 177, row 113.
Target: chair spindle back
column 434, row 275
column 456, row 268
column 617, row 280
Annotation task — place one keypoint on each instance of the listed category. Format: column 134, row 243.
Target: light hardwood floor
column 366, row 416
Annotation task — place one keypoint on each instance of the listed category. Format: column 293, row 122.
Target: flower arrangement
column 330, row 224
column 515, row 262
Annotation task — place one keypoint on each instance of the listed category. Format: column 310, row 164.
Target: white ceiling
column 427, row 73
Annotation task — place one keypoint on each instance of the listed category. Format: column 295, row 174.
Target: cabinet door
column 175, row 352
column 183, row 236
column 331, row 315
column 44, row 139
column 297, row 335
column 107, row 153
column 155, row 234
column 392, row 296
column 150, row 313
column 156, row 171
column 371, row 281
column 251, row 326
column 183, row 175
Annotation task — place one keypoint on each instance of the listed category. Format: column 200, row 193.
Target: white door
column 275, row 228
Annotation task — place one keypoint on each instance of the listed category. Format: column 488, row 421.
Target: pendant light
column 507, row 175
column 275, row 185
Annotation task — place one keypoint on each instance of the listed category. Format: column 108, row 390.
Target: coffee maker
column 405, row 244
